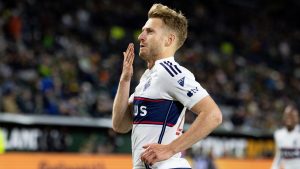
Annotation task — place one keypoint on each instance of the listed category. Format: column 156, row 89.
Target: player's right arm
column 121, row 113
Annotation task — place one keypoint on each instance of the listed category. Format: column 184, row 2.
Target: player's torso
column 157, row 117
column 154, row 110
column 289, row 147
column 150, row 85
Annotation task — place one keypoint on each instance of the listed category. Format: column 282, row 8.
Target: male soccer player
column 287, row 141
column 155, row 111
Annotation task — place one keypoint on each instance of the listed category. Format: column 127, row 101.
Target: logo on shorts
column 181, row 81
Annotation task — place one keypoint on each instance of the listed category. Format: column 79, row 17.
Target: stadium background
column 60, row 62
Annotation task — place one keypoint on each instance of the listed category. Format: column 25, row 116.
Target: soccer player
column 287, row 141
column 155, row 111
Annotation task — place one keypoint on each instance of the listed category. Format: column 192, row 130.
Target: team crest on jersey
column 147, row 85
column 181, row 81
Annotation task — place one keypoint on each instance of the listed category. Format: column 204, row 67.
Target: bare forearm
column 121, row 99
column 204, row 124
column 121, row 117
column 201, row 127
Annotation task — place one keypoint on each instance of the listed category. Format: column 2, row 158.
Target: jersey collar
column 170, row 58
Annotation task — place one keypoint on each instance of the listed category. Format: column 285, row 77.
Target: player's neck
column 151, row 63
column 290, row 128
column 165, row 54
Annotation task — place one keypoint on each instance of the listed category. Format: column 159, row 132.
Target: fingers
column 154, row 160
column 125, row 54
column 129, row 54
column 148, row 157
column 146, row 146
column 128, row 48
column 145, row 154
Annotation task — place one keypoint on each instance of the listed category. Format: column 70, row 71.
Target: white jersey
column 160, row 101
column 287, row 149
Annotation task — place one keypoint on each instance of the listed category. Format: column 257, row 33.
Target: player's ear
column 170, row 39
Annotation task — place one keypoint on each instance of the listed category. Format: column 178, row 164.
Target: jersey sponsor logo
column 142, row 110
column 155, row 111
column 171, row 68
column 191, row 92
column 181, row 81
column 290, row 153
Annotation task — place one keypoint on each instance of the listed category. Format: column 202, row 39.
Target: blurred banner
column 61, row 134
column 64, row 139
column 64, row 161
column 83, row 161
column 243, row 163
column 235, row 146
column 66, row 134
column 68, row 139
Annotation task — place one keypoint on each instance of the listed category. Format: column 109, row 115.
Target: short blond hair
column 176, row 21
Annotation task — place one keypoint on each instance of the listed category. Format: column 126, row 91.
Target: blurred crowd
column 65, row 57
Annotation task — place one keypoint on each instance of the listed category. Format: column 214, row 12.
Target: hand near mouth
column 127, row 71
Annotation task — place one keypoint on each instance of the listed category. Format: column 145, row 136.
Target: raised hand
column 127, row 71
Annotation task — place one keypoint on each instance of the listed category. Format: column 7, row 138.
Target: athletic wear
column 287, row 148
column 160, row 101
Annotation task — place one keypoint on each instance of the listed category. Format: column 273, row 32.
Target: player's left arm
column 209, row 117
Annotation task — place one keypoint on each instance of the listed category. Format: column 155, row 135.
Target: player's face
column 152, row 39
column 290, row 118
